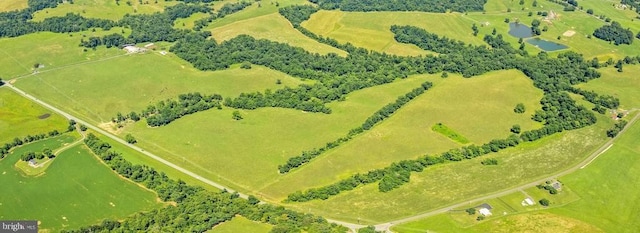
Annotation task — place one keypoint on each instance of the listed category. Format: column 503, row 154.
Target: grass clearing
column 407, row 134
column 53, row 50
column 11, row 5
column 38, row 169
column 272, row 27
column 104, row 9
column 71, row 190
column 241, row 224
column 98, row 91
column 370, row 30
column 449, row 133
column 20, row 117
column 623, row 85
column 455, row 182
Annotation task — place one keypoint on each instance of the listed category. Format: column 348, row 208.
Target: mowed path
column 352, row 226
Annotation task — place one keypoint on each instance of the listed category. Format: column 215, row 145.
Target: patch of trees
column 490, row 161
column 18, row 141
column 166, row 111
column 196, row 209
column 37, row 155
column 617, row 127
column 606, row 101
column 439, row 6
column 548, row 187
column 634, row 4
column 380, row 115
column 184, row 10
column 614, row 32
column 519, row 108
column 297, row 14
column 225, row 10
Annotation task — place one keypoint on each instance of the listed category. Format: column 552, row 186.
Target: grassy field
column 607, row 190
column 273, row 27
column 188, row 23
column 407, row 134
column 623, row 85
column 371, row 29
column 10, row 5
column 455, row 182
column 53, row 50
column 449, row 133
column 20, row 117
column 104, row 9
column 71, row 190
column 241, row 224
column 97, row 91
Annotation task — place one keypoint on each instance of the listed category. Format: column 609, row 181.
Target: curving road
column 352, row 226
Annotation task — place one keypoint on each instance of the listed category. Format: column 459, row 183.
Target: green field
column 607, row 203
column 623, row 85
column 241, row 224
column 98, row 91
column 20, row 117
column 53, row 50
column 71, row 190
column 10, row 5
column 449, row 133
column 407, row 134
column 104, row 9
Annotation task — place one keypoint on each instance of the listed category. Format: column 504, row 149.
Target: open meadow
column 104, row 9
column 68, row 194
column 241, row 224
column 625, row 85
column 11, row 5
column 20, row 117
column 479, row 114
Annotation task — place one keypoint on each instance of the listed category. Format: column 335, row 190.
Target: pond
column 519, row 30
column 546, row 45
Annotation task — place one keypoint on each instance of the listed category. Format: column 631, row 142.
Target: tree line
column 196, row 209
column 225, row 10
column 19, row 141
column 380, row 115
column 439, row 6
column 615, row 33
column 166, row 111
column 617, row 127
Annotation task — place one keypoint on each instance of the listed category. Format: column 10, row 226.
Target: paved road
column 380, row 227
column 385, row 226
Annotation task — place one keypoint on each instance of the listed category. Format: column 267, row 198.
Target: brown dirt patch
column 569, row 33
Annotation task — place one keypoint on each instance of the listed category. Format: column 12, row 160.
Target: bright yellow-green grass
column 479, row 114
column 71, row 191
column 10, row 5
column 272, row 27
column 97, row 91
column 371, row 30
column 241, row 224
column 104, row 9
column 625, row 85
column 456, row 182
column 20, row 117
column 245, row 154
column 450, row 133
column 53, row 50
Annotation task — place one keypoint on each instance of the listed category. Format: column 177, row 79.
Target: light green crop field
column 245, row 154
column 53, row 50
column 479, row 114
column 19, row 117
column 625, row 85
column 70, row 191
column 241, row 224
column 452, row 183
column 272, row 27
column 11, row 5
column 371, row 30
column 98, row 91
column 104, row 9
column 608, row 199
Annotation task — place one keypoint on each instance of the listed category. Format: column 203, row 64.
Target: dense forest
column 614, row 33
column 195, row 209
column 402, row 5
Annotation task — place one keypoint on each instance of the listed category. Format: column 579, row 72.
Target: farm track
column 352, row 226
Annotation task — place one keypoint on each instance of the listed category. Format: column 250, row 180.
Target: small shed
column 527, row 202
column 484, row 212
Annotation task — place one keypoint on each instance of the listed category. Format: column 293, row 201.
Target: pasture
column 98, row 91
column 104, row 9
column 71, row 190
column 452, row 183
column 52, row 50
column 623, row 85
column 20, row 117
column 407, row 134
column 11, row 5
column 241, row 224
